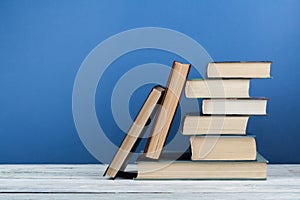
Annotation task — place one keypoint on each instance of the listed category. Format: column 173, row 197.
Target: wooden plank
column 52, row 171
column 85, row 171
column 86, row 181
column 125, row 186
column 208, row 196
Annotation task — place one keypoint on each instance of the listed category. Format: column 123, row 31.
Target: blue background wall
column 42, row 44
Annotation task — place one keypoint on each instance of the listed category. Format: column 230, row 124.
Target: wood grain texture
column 87, row 182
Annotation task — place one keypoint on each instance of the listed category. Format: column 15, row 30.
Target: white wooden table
column 86, row 182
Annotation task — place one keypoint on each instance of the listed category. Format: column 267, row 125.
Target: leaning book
column 135, row 133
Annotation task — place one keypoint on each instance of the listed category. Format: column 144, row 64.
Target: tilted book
column 135, row 133
column 167, row 110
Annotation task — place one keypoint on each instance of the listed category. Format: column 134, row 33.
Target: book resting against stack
column 220, row 145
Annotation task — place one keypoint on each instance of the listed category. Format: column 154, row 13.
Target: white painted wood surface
column 86, row 182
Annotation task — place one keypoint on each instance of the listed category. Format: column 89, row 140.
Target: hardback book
column 223, row 147
column 167, row 110
column 184, row 169
column 214, row 125
column 247, row 106
column 135, row 133
column 217, row 88
column 239, row 69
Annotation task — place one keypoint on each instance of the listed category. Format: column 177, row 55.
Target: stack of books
column 220, row 147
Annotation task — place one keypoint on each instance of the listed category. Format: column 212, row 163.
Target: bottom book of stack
column 175, row 166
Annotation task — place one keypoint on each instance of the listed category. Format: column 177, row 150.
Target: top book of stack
column 239, row 69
